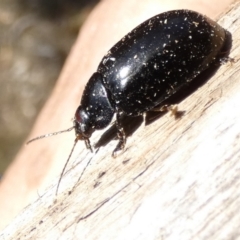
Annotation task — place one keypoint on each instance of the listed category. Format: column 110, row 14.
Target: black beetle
column 144, row 68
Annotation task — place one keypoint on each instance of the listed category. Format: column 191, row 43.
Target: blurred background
column 35, row 39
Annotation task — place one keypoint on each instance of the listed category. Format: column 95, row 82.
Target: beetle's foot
column 170, row 108
column 88, row 144
column 173, row 108
column 165, row 108
column 119, row 149
column 121, row 144
column 174, row 111
column 121, row 137
column 225, row 60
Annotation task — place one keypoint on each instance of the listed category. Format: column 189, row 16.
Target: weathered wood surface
column 177, row 179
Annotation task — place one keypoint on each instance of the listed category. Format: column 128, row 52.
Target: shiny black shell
column 147, row 66
column 158, row 57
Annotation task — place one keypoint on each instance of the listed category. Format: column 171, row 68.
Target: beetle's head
column 83, row 129
column 83, row 126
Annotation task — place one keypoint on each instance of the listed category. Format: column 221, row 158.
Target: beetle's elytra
column 145, row 67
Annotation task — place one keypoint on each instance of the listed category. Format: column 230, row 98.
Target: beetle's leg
column 88, row 144
column 224, row 60
column 121, row 136
column 171, row 108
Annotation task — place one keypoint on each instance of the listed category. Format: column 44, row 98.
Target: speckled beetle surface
column 146, row 67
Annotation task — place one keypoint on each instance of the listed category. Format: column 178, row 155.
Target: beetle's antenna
column 50, row 135
column 75, row 142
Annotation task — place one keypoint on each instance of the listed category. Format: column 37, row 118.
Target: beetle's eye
column 82, row 123
column 81, row 116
